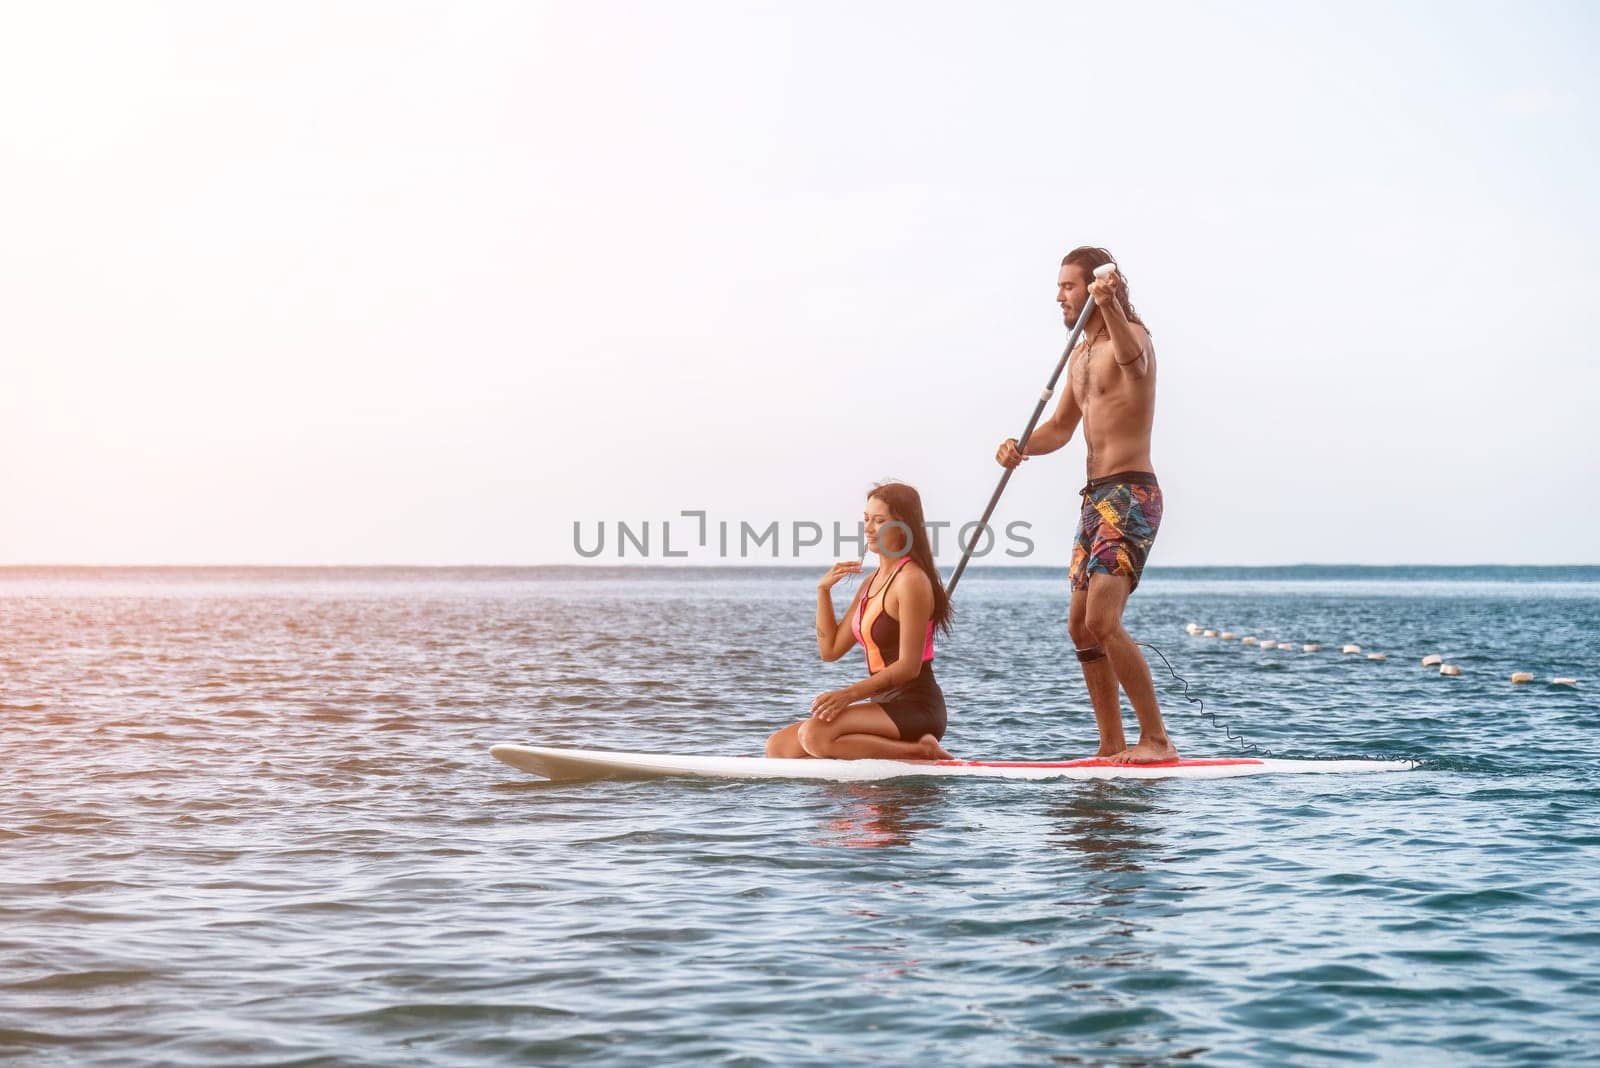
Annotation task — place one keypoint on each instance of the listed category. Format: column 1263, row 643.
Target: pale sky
column 296, row 283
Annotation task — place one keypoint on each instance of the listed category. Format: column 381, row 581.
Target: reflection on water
column 875, row 816
column 1103, row 822
column 1112, row 831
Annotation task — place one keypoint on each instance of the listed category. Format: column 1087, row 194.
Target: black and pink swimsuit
column 917, row 708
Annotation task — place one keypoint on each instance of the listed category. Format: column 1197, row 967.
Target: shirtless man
column 1111, row 389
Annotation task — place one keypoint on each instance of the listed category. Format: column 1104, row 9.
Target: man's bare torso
column 1118, row 411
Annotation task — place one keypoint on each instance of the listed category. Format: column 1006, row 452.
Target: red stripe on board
column 1096, row 762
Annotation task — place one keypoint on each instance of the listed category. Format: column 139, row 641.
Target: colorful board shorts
column 1121, row 514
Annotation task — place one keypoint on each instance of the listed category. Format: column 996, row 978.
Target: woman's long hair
column 1086, row 258
column 905, row 505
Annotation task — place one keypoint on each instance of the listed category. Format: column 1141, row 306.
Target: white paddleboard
column 580, row 764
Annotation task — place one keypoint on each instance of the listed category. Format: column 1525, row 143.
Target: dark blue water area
column 248, row 816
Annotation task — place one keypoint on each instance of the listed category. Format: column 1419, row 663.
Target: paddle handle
column 1027, row 431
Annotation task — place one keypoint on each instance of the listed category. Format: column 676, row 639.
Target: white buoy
column 1228, row 636
column 1193, row 628
column 1521, row 676
column 1311, row 647
column 1268, row 645
column 1564, row 682
column 1352, row 648
column 1208, row 634
column 1376, row 656
column 1248, row 641
column 1449, row 669
column 1432, row 660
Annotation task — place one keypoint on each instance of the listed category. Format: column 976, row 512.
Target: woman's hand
column 839, row 571
column 828, row 706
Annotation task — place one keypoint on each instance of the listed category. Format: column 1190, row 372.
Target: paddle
column 1033, row 421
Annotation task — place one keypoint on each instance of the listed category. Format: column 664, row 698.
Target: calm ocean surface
column 249, row 817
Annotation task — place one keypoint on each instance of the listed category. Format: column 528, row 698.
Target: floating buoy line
column 1432, row 660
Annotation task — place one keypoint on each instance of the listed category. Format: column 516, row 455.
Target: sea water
column 249, row 816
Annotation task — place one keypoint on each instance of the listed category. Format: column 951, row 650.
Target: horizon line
column 682, row 566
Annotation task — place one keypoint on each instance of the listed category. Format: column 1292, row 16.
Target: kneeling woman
column 897, row 712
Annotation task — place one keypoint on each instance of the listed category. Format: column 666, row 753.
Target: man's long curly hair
column 1086, row 258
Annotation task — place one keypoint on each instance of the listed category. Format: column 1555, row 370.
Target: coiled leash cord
column 1212, row 716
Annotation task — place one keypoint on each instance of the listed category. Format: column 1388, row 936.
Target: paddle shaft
column 1027, row 432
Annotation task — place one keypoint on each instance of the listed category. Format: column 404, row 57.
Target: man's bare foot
column 931, row 749
column 1108, row 751
column 1147, row 752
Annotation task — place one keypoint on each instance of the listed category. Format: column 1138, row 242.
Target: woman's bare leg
column 873, row 746
column 863, row 732
column 786, row 743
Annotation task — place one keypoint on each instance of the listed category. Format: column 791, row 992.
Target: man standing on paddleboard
column 1111, row 390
